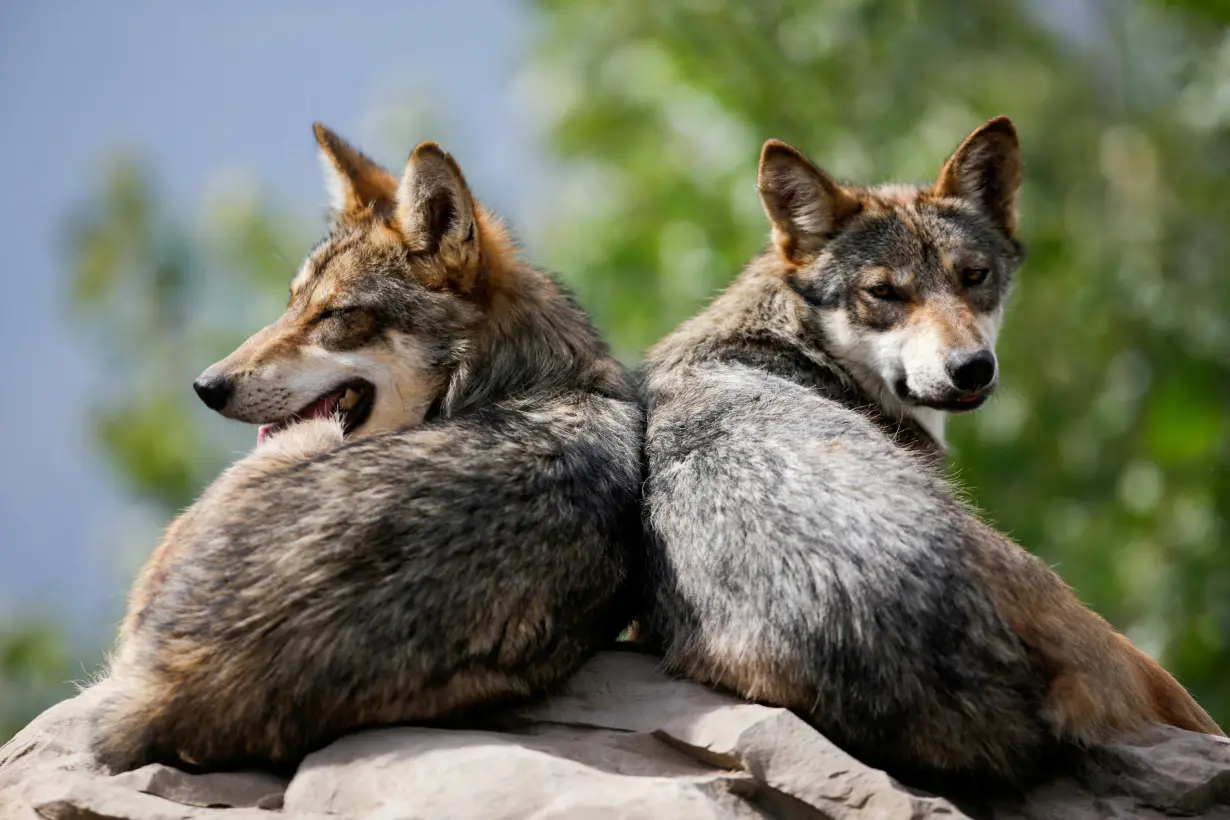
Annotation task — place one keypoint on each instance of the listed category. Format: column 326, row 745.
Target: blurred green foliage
column 1215, row 10
column 1107, row 450
column 32, row 672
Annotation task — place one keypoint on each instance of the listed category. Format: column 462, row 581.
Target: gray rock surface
column 623, row 741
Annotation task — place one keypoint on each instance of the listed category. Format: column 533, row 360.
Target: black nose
column 970, row 373
column 215, row 392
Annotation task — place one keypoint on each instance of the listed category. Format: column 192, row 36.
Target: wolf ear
column 804, row 204
column 435, row 208
column 356, row 184
column 986, row 169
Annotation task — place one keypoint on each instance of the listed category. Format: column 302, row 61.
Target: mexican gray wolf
column 805, row 548
column 438, row 513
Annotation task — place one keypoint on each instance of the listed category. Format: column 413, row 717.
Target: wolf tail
column 1173, row 704
column 128, row 724
column 1120, row 691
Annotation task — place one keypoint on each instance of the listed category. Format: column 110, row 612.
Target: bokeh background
column 161, row 187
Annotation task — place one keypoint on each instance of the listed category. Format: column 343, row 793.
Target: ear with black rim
column 804, row 204
column 986, row 170
column 356, row 185
column 435, row 208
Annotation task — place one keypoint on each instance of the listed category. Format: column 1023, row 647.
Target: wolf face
column 381, row 310
column 904, row 286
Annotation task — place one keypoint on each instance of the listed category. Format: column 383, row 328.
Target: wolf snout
column 215, row 391
column 972, row 372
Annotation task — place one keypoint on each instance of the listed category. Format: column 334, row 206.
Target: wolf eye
column 330, row 313
column 883, row 292
column 974, row 276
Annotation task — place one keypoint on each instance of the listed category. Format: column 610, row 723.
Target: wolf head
column 904, row 285
column 380, row 311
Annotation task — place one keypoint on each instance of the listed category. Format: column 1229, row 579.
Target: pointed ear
column 435, row 208
column 986, row 170
column 804, row 204
column 356, row 185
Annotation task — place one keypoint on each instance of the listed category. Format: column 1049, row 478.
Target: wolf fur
column 463, row 543
column 806, row 550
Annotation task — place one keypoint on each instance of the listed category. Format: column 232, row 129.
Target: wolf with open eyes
column 806, row 550
column 439, row 511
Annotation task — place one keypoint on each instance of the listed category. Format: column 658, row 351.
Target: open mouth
column 351, row 401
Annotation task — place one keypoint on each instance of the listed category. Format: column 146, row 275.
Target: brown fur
column 1102, row 687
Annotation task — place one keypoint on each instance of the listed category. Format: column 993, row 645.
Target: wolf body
column 437, row 516
column 805, row 548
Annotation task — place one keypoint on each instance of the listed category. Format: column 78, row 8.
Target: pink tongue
column 318, row 410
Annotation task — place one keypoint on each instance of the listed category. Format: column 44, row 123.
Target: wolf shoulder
column 751, row 422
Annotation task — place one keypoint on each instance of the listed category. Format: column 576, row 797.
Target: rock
column 220, row 790
column 622, row 740
column 46, row 773
column 50, row 750
column 53, row 741
column 549, row 772
column 625, row 690
column 1167, row 769
column 786, row 754
column 82, row 798
column 1163, row 773
column 780, row 750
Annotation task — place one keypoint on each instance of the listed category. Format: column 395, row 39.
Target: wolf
column 439, row 511
column 805, row 549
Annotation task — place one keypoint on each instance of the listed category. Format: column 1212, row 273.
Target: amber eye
column 882, row 292
column 974, row 276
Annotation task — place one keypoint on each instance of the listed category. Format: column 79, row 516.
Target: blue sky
column 193, row 88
